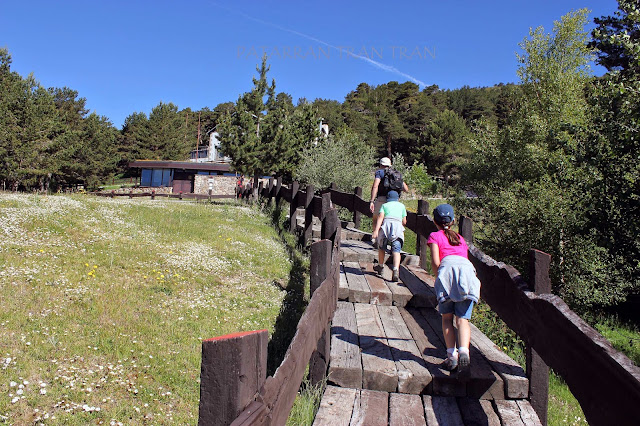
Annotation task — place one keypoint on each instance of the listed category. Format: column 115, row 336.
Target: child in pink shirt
column 457, row 287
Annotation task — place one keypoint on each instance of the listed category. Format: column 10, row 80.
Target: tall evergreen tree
column 240, row 135
column 167, row 133
column 264, row 133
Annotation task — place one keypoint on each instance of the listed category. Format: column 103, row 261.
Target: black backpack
column 392, row 181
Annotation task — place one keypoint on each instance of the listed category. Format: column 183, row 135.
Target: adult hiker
column 386, row 179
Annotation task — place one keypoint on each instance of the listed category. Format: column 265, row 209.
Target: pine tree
column 265, row 137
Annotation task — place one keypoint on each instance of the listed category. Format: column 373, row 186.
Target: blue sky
column 127, row 56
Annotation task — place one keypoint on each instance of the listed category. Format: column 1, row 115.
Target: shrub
column 344, row 159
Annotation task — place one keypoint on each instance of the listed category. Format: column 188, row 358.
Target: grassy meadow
column 104, row 303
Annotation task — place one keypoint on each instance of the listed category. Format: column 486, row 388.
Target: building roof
column 180, row 165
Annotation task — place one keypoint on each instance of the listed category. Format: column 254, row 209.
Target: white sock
column 452, row 353
column 463, row 350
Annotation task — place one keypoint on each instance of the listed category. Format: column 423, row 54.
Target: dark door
column 182, row 182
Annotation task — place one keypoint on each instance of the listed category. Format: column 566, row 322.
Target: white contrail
column 379, row 65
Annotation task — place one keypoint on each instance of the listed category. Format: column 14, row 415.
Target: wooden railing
column 604, row 381
column 153, row 195
column 233, row 386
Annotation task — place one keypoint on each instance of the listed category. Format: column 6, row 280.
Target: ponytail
column 452, row 236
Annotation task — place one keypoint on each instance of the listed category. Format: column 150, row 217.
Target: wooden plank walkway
column 350, row 407
column 360, row 284
column 386, row 354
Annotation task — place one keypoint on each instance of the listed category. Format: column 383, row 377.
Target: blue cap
column 443, row 214
column 393, row 196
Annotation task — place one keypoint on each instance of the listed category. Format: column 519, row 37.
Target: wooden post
column 326, row 204
column 422, row 249
column 112, row 193
column 333, row 186
column 293, row 207
column 357, row 192
column 180, row 195
column 330, row 225
column 153, row 194
column 234, row 368
column 320, row 267
column 537, row 369
column 465, row 226
column 308, row 216
column 277, row 190
column 131, row 193
column 256, row 188
column 270, row 191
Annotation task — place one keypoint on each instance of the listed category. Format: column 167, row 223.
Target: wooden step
column 360, row 283
column 345, row 368
column 393, row 349
column 363, row 251
column 350, row 407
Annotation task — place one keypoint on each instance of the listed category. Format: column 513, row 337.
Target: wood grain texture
column 413, row 375
column 509, row 412
column 379, row 369
column 359, row 290
column 233, row 370
column 371, row 408
column 528, row 414
column 380, row 293
column 345, row 365
column 406, row 410
column 336, row 407
column 423, row 295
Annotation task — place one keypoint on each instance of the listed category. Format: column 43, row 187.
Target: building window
column 167, row 177
column 145, row 177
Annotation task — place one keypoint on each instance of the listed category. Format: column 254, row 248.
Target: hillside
column 104, row 303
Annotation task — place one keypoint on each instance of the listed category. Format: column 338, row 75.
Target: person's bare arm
column 435, row 258
column 404, row 221
column 374, row 193
column 377, row 226
column 405, row 187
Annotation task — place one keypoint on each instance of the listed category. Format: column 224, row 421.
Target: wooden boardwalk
column 387, row 349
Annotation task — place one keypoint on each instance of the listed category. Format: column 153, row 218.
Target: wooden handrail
column 604, row 381
column 274, row 399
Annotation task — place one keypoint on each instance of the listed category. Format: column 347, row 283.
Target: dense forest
column 554, row 159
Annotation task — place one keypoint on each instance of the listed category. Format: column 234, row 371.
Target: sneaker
column 378, row 268
column 464, row 365
column 450, row 364
column 395, row 277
